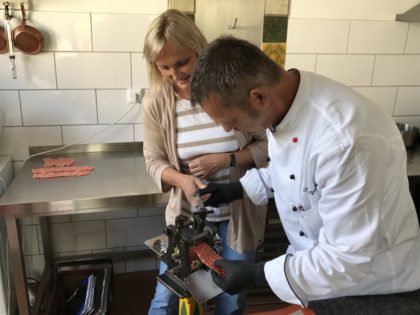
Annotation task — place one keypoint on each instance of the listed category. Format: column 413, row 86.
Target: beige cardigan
column 246, row 226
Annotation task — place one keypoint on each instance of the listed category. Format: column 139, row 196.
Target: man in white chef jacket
column 337, row 172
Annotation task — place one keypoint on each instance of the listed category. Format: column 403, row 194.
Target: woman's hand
column 208, row 164
column 190, row 185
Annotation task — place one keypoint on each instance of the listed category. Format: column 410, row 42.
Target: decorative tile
column 275, row 29
column 276, row 51
column 276, row 7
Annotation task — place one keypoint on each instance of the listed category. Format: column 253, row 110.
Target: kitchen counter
column 119, row 180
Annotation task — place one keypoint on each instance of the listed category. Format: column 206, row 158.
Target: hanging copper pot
column 3, row 41
column 27, row 38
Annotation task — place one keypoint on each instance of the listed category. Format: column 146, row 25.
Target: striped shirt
column 196, row 135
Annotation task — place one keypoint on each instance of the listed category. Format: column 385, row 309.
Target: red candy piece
column 208, row 257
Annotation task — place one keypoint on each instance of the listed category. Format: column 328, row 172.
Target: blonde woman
column 184, row 149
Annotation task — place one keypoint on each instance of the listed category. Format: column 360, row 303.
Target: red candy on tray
column 207, row 256
column 61, row 167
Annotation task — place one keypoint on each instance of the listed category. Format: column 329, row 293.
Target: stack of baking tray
column 81, row 288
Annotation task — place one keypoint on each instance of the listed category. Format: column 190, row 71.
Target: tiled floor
column 133, row 291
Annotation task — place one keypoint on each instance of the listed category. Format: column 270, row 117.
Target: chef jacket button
column 292, row 176
column 294, row 208
column 300, row 207
column 272, row 190
column 301, row 233
column 295, row 139
column 315, row 243
column 268, row 159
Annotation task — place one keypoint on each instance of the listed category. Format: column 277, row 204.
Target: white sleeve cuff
column 276, row 274
column 255, row 187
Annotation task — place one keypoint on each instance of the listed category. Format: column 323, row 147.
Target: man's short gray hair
column 230, row 68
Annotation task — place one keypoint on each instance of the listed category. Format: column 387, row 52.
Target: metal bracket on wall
column 412, row 15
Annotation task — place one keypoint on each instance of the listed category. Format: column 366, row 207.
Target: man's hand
column 239, row 275
column 221, row 193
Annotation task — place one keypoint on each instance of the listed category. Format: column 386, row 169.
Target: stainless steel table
column 119, row 180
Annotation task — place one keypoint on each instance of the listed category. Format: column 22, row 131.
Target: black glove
column 239, row 275
column 222, row 193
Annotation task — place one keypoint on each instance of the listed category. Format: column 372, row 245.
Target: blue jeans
column 166, row 303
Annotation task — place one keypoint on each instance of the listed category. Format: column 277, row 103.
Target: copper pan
column 27, row 38
column 3, row 41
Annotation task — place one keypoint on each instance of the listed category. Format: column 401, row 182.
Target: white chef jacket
column 338, row 172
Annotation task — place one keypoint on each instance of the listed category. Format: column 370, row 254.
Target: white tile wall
column 408, row 101
column 301, row 61
column 103, row 6
column 317, row 36
column 9, row 102
column 413, row 42
column 58, row 107
column 397, row 70
column 183, row 5
column 139, row 71
column 361, row 45
column 78, row 236
column 353, row 70
column 127, row 36
column 29, row 239
column 214, row 17
column 343, row 9
column 104, row 134
column 16, row 140
column 33, row 72
column 34, row 264
column 64, row 31
column 383, row 96
column 93, row 70
column 112, row 105
column 377, row 37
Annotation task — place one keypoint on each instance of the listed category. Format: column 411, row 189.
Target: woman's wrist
column 232, row 159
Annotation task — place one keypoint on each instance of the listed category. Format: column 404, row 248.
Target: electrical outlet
column 141, row 95
column 131, row 96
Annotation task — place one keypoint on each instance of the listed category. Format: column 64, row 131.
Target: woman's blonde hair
column 172, row 25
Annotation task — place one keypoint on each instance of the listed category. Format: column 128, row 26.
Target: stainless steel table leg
column 17, row 265
column 47, row 273
column 45, row 236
